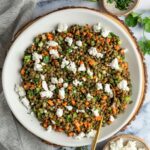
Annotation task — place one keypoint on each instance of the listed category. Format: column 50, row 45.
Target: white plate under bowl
column 47, row 23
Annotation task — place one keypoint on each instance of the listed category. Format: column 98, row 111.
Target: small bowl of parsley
column 120, row 7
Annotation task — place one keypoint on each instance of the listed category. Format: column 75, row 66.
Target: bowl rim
column 124, row 136
column 144, row 87
column 125, row 13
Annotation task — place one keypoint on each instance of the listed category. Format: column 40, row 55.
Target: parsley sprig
column 135, row 19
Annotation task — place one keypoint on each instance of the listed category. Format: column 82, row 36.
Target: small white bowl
column 113, row 10
column 127, row 137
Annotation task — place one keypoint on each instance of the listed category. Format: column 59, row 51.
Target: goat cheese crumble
column 59, row 112
column 114, row 64
column 62, row 27
column 123, row 85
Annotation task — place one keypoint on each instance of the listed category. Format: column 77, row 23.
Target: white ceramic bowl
column 70, row 16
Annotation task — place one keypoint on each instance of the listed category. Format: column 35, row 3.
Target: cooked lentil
column 75, row 77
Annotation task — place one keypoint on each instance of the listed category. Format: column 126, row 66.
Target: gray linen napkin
column 13, row 14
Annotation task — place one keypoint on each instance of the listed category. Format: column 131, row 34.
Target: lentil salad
column 73, row 76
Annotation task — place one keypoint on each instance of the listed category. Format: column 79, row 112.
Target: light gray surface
column 0, row 80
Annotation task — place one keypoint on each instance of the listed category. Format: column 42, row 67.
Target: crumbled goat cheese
column 79, row 43
column 93, row 52
column 69, row 108
column 49, row 129
column 99, row 86
column 89, row 72
column 59, row 112
column 80, row 111
column 95, row 112
column 72, row 67
column 91, row 134
column 62, row 93
column 62, row 27
column 69, row 40
column 52, row 43
column 99, row 55
column 82, row 68
column 89, row 96
column 114, row 64
column 97, row 27
column 76, row 82
column 46, row 94
column 52, row 87
column 80, row 136
column 42, row 77
column 108, row 90
column 54, row 80
column 38, row 67
column 53, row 122
column 65, row 85
column 44, row 85
column 54, row 53
column 105, row 32
column 36, row 57
column 123, row 85
column 64, row 63
column 25, row 102
column 111, row 118
column 60, row 80
column 20, row 90
column 117, row 145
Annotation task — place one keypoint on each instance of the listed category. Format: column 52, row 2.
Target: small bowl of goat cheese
column 126, row 142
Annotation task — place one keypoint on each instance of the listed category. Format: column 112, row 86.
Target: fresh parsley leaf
column 145, row 45
column 46, row 59
column 146, row 24
column 132, row 19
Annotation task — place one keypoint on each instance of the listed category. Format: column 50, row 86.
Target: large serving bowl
column 48, row 22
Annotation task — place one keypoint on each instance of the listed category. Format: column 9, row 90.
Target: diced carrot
column 70, row 87
column 98, row 118
column 87, row 124
column 59, row 129
column 77, row 124
column 104, row 97
column 114, row 110
column 64, row 103
column 81, row 62
column 92, row 62
column 27, row 85
column 122, row 52
column 50, row 36
column 45, row 123
column 50, row 102
column 87, row 103
column 71, row 134
column 117, row 47
column 73, row 102
column 22, row 71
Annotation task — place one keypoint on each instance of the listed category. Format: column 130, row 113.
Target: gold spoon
column 97, row 135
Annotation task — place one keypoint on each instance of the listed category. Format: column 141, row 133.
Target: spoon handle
column 97, row 135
